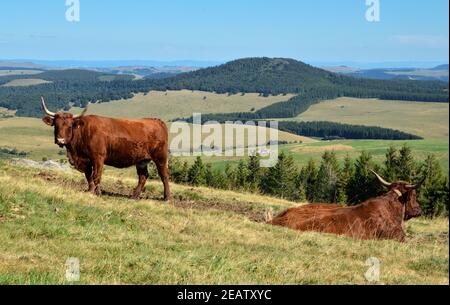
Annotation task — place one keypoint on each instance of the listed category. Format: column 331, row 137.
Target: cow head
column 64, row 124
column 407, row 195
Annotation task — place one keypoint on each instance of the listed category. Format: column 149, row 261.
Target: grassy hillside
column 202, row 237
column 25, row 82
column 377, row 148
column 174, row 104
column 5, row 113
column 429, row 120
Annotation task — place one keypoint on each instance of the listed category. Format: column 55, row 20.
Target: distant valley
column 440, row 73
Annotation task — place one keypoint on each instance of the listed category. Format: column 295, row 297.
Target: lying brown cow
column 93, row 141
column 378, row 218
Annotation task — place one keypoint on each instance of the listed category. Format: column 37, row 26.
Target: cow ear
column 78, row 124
column 50, row 121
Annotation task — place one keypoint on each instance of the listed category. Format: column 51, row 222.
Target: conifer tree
column 325, row 188
column 280, row 179
column 344, row 179
column 253, row 172
column 391, row 164
column 406, row 166
column 433, row 195
column 363, row 185
column 197, row 173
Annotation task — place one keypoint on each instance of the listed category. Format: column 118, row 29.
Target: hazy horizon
column 203, row 63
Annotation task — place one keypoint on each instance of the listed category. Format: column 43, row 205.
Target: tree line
column 328, row 181
column 333, row 131
column 329, row 130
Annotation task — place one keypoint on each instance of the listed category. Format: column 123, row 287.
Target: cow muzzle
column 61, row 142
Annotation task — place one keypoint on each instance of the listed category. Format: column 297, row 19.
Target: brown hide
column 378, row 218
column 94, row 141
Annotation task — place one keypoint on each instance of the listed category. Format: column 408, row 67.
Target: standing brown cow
column 377, row 218
column 93, row 141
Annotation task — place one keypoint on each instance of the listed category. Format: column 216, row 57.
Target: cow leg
column 90, row 179
column 163, row 171
column 97, row 176
column 142, row 171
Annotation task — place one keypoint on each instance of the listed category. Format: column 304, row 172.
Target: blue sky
column 309, row 30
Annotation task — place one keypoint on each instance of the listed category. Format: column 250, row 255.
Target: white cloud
column 421, row 40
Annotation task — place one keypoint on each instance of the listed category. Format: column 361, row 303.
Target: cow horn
column 82, row 113
column 384, row 182
column 48, row 112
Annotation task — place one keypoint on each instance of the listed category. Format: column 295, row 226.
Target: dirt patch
column 316, row 149
column 183, row 200
column 256, row 215
column 46, row 176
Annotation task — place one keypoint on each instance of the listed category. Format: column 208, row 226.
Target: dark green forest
column 325, row 182
column 334, row 131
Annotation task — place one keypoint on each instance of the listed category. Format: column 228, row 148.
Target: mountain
column 283, row 75
column 89, row 64
column 146, row 69
column 441, row 67
column 21, row 65
column 262, row 75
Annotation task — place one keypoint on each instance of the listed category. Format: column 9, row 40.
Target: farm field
column 26, row 82
column 46, row 218
column 429, row 120
column 33, row 136
column 302, row 153
column 177, row 104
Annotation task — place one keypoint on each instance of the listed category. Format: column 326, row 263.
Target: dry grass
column 45, row 218
column 25, row 82
column 176, row 104
column 322, row 149
column 429, row 120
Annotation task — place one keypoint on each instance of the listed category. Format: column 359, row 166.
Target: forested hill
column 261, row 75
column 282, row 75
